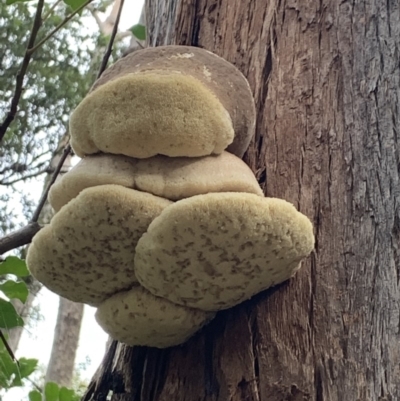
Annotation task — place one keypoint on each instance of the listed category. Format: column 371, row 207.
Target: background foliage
column 59, row 75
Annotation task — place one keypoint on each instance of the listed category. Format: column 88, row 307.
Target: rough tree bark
column 326, row 80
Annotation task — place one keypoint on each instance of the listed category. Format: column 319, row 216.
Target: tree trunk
column 326, row 80
column 66, row 337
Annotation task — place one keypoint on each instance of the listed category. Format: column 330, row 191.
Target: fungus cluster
column 161, row 224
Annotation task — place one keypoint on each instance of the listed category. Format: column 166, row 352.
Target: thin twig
column 37, row 387
column 43, row 198
column 25, row 177
column 21, row 73
column 31, row 50
column 8, row 348
column 51, row 9
column 107, row 54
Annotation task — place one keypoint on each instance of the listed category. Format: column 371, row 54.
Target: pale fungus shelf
column 171, row 178
column 215, row 251
column 136, row 317
column 213, row 73
column 172, row 114
column 86, row 253
column 161, row 224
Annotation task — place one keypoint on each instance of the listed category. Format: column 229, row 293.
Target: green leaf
column 67, row 394
column 7, row 367
column 35, row 396
column 14, row 265
column 8, row 2
column 27, row 367
column 11, row 374
column 74, row 4
column 51, row 391
column 9, row 317
column 13, row 289
column 139, row 31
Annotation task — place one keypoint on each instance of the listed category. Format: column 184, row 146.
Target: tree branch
column 21, row 73
column 31, row 50
column 51, row 9
column 8, row 348
column 19, row 238
column 37, row 387
column 43, row 198
column 98, row 20
column 107, row 54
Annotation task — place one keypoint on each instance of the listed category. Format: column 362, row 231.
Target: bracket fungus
column 169, row 100
column 136, row 317
column 215, row 251
column 171, row 178
column 161, row 224
column 174, row 115
column 86, row 253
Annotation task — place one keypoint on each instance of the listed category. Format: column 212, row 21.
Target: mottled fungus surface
column 136, row 317
column 163, row 125
column 86, row 253
column 146, row 114
column 214, row 251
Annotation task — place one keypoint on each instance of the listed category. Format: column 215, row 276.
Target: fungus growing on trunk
column 86, row 253
column 165, row 100
column 215, row 251
column 136, row 317
column 161, row 125
column 171, row 178
column 146, row 114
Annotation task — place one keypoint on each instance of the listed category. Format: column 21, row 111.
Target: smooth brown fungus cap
column 171, row 178
column 214, row 251
column 137, row 317
column 219, row 76
column 86, row 253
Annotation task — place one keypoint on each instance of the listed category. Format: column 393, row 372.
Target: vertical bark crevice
column 254, row 382
column 319, row 395
column 101, row 384
column 154, row 371
column 211, row 383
